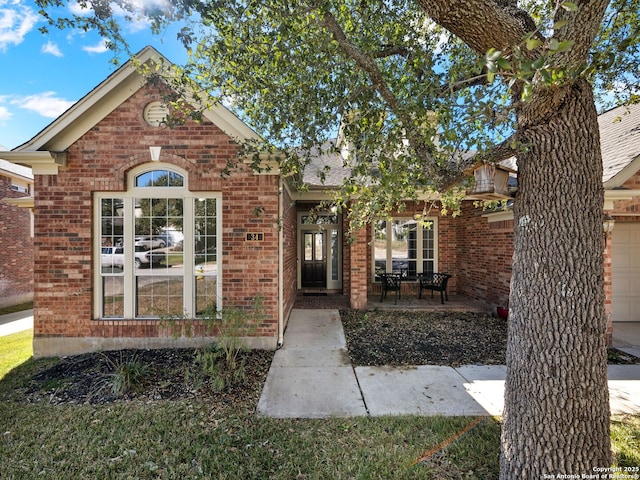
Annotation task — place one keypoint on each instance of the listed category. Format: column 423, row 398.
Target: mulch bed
column 170, row 374
column 400, row 338
column 374, row 338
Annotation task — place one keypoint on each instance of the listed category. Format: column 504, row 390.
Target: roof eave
column 42, row 162
column 623, row 175
column 22, row 202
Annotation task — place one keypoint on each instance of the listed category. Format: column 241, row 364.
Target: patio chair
column 436, row 282
column 391, row 282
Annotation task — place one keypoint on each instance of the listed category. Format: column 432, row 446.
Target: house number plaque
column 255, row 237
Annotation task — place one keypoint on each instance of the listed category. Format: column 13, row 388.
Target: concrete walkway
column 312, row 377
column 16, row 322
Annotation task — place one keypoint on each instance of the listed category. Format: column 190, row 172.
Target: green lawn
column 191, row 440
column 14, row 350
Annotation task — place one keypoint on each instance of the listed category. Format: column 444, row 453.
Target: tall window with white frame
column 404, row 246
column 159, row 246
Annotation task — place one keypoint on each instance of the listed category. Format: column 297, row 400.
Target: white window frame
column 389, row 239
column 190, row 273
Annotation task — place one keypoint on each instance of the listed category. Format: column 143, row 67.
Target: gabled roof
column 59, row 135
column 620, row 144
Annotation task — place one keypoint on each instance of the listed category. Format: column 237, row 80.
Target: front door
column 314, row 260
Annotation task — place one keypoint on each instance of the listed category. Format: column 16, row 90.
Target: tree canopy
column 393, row 78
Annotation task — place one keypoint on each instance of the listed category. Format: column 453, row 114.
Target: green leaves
column 569, row 6
column 556, row 47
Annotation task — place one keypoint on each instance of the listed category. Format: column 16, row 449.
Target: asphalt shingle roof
column 619, row 139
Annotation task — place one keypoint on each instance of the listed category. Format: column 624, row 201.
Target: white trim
column 611, row 196
column 419, row 245
column 499, row 216
column 129, row 274
column 328, row 228
column 42, row 162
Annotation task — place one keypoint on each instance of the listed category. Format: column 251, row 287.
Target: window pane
column 380, row 246
column 319, row 246
column 158, row 232
column 403, row 247
column 206, row 297
column 113, row 297
column 159, row 178
column 111, row 221
column 308, row 246
column 158, row 296
column 111, row 257
column 335, row 254
column 428, row 249
column 205, row 236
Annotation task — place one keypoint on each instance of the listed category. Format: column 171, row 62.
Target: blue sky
column 41, row 76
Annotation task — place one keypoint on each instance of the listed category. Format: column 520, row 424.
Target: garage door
column 626, row 272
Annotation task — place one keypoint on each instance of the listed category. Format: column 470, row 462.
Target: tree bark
column 556, row 418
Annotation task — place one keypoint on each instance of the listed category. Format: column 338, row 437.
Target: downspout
column 280, row 264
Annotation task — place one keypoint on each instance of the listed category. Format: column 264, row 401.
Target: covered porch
column 409, row 301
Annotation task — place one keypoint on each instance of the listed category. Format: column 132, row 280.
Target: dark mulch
column 397, row 338
column 169, row 374
column 374, row 338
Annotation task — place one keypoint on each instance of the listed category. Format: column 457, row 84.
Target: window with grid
column 404, row 246
column 158, row 247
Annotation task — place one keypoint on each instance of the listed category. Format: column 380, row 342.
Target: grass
column 16, row 308
column 14, row 350
column 190, row 440
column 185, row 440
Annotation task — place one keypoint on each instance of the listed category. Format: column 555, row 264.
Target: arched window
column 159, row 245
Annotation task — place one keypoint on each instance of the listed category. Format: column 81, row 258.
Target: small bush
column 127, row 375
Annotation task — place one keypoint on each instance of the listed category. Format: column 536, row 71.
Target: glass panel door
column 314, row 265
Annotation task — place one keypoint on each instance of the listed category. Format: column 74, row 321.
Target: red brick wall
column 16, row 266
column 629, row 206
column 484, row 255
column 289, row 252
column 99, row 161
column 359, row 268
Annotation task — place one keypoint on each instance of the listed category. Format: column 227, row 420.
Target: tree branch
column 468, row 20
column 498, row 153
column 367, row 64
column 582, row 27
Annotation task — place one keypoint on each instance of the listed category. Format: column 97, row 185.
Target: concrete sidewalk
column 312, row 377
column 16, row 322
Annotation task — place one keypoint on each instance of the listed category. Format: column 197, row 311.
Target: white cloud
column 45, row 104
column 16, row 20
column 77, row 9
column 52, row 49
column 5, row 114
column 99, row 48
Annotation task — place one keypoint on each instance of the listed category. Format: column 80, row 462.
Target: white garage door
column 626, row 272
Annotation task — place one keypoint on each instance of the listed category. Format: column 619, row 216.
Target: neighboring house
column 16, row 234
column 107, row 173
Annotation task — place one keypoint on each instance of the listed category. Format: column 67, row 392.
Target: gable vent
column 155, row 113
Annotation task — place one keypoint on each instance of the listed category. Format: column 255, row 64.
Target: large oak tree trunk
column 556, row 418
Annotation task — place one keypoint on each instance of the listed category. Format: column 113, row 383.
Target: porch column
column 608, row 291
column 358, row 270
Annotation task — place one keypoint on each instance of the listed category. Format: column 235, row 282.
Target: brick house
column 16, row 234
column 135, row 221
